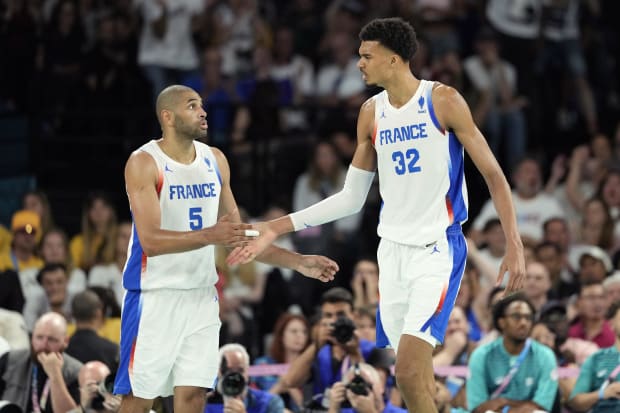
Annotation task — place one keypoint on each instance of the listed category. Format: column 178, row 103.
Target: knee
column 414, row 380
column 193, row 396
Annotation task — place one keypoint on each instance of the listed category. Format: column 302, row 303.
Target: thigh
column 197, row 361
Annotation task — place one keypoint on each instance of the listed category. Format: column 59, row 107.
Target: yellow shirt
column 6, row 262
column 5, row 239
column 111, row 330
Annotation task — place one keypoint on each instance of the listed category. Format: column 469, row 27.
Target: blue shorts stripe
column 130, row 322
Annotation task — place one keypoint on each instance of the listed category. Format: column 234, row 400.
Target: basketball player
column 177, row 189
column 413, row 133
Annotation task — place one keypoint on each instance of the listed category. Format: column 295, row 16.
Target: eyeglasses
column 518, row 317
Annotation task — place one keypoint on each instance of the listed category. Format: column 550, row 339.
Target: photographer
column 95, row 389
column 335, row 347
column 232, row 392
column 361, row 390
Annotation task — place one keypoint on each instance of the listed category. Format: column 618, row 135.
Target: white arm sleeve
column 348, row 201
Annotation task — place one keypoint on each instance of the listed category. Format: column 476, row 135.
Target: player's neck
column 178, row 149
column 401, row 88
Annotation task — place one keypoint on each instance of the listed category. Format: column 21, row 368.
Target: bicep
column 365, row 156
column 141, row 179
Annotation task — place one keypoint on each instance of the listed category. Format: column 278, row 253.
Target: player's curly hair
column 394, row 33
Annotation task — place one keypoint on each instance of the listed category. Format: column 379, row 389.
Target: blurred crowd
column 282, row 92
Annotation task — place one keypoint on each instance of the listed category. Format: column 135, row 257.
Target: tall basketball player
column 414, row 133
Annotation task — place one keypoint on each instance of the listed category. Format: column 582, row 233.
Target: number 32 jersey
column 420, row 168
column 189, row 198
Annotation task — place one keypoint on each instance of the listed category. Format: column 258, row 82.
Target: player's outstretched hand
column 250, row 250
column 231, row 234
column 514, row 263
column 319, row 267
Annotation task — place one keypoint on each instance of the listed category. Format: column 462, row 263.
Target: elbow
column 149, row 249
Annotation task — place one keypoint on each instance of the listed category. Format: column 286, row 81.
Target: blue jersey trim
column 431, row 110
column 133, row 268
column 456, row 169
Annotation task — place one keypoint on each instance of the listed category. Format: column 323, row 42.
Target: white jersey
column 189, row 198
column 420, row 167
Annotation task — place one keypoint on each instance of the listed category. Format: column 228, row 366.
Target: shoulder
column 542, row 351
column 71, row 366
column 445, row 96
column 368, row 107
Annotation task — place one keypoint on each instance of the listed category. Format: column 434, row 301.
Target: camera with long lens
column 343, row 329
column 232, row 383
column 104, row 387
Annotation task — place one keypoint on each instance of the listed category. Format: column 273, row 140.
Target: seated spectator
column 290, row 339
column 13, row 329
column 537, row 284
column 591, row 308
column 37, row 201
column 470, row 298
column 54, row 249
column 594, row 264
column 54, row 296
column 111, row 328
column 563, row 283
column 111, row 275
column 25, row 374
column 611, row 285
column 11, row 294
column 361, row 389
column 366, row 322
column 598, row 386
column 85, row 344
column 232, row 391
column 488, row 258
column 512, row 371
column 457, row 345
column 365, row 283
column 96, row 242
column 22, row 254
column 332, row 347
column 91, row 377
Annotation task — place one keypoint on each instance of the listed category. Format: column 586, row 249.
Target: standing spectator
column 85, row 344
column 25, row 374
column 498, row 107
column 598, row 386
column 167, row 52
column 96, row 242
column 513, row 370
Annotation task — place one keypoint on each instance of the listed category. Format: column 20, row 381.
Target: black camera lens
column 233, row 384
column 343, row 329
column 358, row 386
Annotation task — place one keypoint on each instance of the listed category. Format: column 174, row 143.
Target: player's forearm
column 280, row 257
column 160, row 241
column 583, row 401
column 502, row 199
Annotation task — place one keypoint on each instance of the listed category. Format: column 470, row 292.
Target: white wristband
column 251, row 233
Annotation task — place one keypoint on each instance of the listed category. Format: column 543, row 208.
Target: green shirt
column 535, row 380
column 594, row 371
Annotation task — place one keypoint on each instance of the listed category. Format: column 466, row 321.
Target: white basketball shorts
column 169, row 338
column 418, row 287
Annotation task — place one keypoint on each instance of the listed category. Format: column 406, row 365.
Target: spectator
column 591, row 324
column 85, row 344
column 537, row 284
column 97, row 241
column 457, row 345
column 497, row 379
column 470, row 298
column 111, row 275
column 594, row 265
column 240, row 398
column 598, row 386
column 532, row 205
column 366, row 322
column 53, row 296
column 322, row 362
column 361, row 388
column 290, row 338
column 91, row 378
column 25, row 225
column 26, row 373
column 498, row 107
column 167, row 52
column 488, row 259
column 550, row 255
column 611, row 284
column 37, row 201
column 365, row 283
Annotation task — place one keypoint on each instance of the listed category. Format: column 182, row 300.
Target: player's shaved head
column 168, row 98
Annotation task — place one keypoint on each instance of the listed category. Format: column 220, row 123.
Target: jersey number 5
column 195, row 218
column 405, row 162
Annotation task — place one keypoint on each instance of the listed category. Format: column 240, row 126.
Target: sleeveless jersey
column 420, row 168
column 189, row 199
